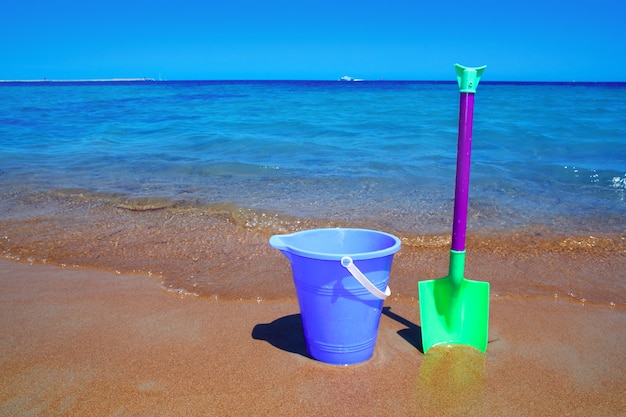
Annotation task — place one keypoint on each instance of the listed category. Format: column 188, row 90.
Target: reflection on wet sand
column 452, row 376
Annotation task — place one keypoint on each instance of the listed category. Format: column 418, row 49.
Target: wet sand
column 79, row 342
column 221, row 250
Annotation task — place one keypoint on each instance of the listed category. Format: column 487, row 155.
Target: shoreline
column 221, row 251
column 80, row 341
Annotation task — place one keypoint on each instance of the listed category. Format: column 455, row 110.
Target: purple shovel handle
column 461, row 191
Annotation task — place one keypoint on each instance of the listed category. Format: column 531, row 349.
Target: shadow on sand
column 285, row 333
column 412, row 333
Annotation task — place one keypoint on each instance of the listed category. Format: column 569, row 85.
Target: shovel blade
column 454, row 314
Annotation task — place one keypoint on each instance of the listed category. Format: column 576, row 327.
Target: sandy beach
column 82, row 342
column 154, row 308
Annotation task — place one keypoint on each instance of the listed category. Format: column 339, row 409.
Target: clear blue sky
column 535, row 40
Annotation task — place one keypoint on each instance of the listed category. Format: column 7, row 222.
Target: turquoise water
column 543, row 154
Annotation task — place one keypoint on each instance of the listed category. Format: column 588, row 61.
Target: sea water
column 280, row 156
column 550, row 154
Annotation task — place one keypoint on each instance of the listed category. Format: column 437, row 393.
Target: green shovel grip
column 468, row 78
column 456, row 270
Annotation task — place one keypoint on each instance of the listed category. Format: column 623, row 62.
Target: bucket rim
column 278, row 242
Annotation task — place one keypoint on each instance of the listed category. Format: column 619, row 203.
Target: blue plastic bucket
column 340, row 315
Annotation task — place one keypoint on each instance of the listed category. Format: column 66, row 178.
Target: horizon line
column 150, row 79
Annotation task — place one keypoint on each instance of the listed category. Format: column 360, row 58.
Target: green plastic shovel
column 455, row 310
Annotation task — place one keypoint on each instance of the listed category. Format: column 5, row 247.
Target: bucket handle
column 347, row 263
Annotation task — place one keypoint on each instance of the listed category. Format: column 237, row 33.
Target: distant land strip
column 92, row 80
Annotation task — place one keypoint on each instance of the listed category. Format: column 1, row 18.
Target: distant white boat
column 347, row 78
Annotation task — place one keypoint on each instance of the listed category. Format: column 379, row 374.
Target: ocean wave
column 221, row 250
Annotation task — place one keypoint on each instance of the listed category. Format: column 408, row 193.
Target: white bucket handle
column 347, row 263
